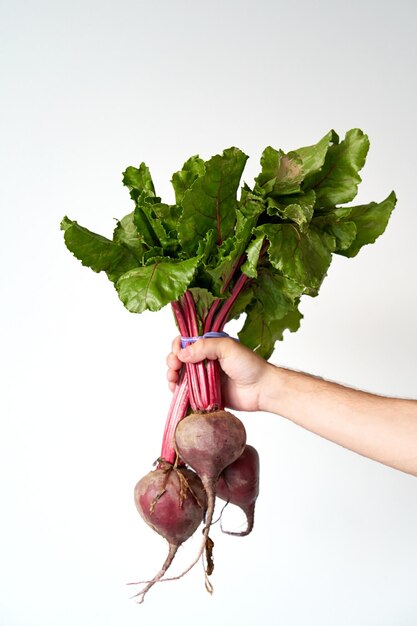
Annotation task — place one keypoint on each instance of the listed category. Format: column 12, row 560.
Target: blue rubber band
column 210, row 335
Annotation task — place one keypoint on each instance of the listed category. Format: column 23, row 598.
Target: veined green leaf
column 211, row 201
column 153, row 212
column 250, row 204
column 154, row 255
column 153, row 221
column 281, row 173
column 154, row 286
column 343, row 231
column 354, row 227
column 250, row 266
column 97, row 252
column 337, row 182
column 160, row 251
column 242, row 302
column 276, row 293
column 139, row 181
column 230, row 253
column 298, row 208
column 183, row 180
column 206, row 246
column 127, row 234
column 260, row 333
column 143, row 225
column 302, row 256
column 370, row 221
column 313, row 157
column 168, row 215
column 272, row 310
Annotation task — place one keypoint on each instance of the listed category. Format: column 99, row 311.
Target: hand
column 244, row 372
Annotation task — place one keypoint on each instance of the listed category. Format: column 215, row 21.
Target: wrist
column 272, row 388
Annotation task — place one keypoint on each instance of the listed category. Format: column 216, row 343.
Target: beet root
column 209, row 442
column 172, row 501
column 239, row 485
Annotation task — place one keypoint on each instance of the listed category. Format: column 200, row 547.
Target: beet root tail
column 250, row 517
column 206, row 544
column 142, row 593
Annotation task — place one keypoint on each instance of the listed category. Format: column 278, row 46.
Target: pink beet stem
column 177, row 410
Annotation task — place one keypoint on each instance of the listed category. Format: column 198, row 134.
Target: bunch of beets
column 214, row 256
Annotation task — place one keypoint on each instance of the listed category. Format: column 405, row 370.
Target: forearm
column 383, row 429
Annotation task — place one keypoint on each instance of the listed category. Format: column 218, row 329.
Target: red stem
column 199, row 384
column 179, row 316
column 199, row 395
column 177, row 410
column 238, row 263
column 221, row 318
column 209, row 321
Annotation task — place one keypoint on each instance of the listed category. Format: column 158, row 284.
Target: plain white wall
column 88, row 88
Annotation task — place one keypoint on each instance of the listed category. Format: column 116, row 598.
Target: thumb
column 205, row 349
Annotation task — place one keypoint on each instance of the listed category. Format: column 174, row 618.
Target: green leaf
column 183, row 180
column 143, row 225
column 272, row 310
column 229, row 255
column 250, row 204
column 203, row 299
column 313, row 157
column 242, row 302
column 281, row 173
column 275, row 293
column 97, row 252
column 260, row 333
column 154, row 286
column 302, row 256
column 138, row 181
column 354, row 227
column 211, row 201
column 370, row 221
column 153, row 255
column 298, row 208
column 153, row 212
column 206, row 246
column 344, row 232
column 168, row 215
column 338, row 180
column 250, row 266
column 127, row 235
column 153, row 221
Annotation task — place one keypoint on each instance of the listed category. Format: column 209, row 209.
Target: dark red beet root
column 239, row 485
column 209, row 442
column 173, row 502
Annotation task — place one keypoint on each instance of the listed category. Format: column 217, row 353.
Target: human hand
column 244, row 373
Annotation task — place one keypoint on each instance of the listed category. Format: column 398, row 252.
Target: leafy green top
column 281, row 233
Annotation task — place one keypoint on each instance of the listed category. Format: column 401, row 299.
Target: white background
column 89, row 87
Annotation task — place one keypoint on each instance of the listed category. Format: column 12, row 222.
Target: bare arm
column 380, row 428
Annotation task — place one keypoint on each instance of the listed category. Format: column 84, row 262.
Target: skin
column 380, row 428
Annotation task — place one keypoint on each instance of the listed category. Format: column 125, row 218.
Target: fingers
column 176, row 345
column 173, row 361
column 174, row 365
column 202, row 349
column 206, row 349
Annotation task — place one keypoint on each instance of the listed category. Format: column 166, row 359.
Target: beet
column 209, row 442
column 172, row 501
column 239, row 485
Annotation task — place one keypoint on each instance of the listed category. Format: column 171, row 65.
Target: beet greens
column 215, row 254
